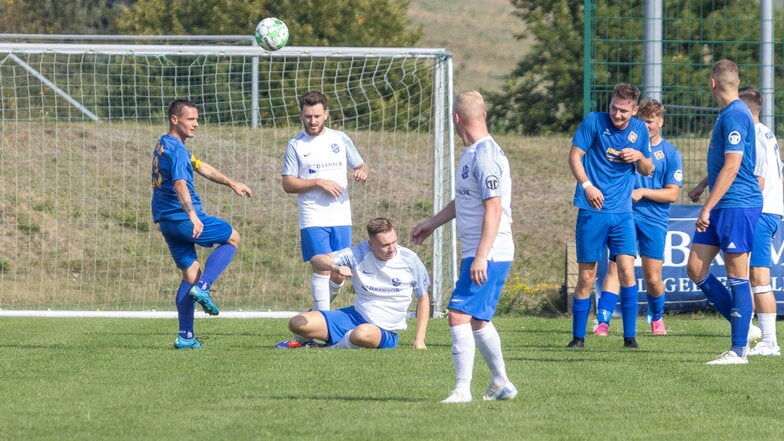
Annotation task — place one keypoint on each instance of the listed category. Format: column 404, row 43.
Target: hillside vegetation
column 480, row 36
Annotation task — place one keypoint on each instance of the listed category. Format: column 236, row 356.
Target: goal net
column 77, row 129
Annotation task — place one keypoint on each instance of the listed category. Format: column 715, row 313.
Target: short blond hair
column 726, row 74
column 470, row 104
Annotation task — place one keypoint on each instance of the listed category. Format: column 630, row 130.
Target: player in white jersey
column 482, row 208
column 386, row 277
column 314, row 167
column 768, row 172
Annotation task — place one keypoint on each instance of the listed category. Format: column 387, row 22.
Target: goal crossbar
column 79, row 117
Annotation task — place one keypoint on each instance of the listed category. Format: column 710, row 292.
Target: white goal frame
column 29, row 216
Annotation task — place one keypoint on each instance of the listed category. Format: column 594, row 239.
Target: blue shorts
column 731, row 229
column 479, row 301
column 764, row 232
column 323, row 240
column 179, row 237
column 340, row 321
column 650, row 240
column 597, row 230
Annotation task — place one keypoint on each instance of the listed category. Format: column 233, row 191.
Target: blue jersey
column 669, row 171
column 733, row 133
column 171, row 161
column 602, row 143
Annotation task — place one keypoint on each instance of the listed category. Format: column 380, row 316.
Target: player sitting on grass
column 385, row 276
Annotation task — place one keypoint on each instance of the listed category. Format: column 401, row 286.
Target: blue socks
column 580, row 309
column 629, row 310
column 656, row 306
column 605, row 306
column 218, row 261
column 717, row 294
column 740, row 315
column 185, row 305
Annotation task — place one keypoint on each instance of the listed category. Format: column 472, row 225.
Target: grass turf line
column 118, row 379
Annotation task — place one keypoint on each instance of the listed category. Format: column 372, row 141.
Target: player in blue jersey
column 482, row 209
column 177, row 209
column 607, row 149
column 652, row 197
column 727, row 219
column 768, row 171
column 385, row 276
column 314, row 168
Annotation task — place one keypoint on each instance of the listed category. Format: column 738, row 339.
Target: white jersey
column 325, row 156
column 768, row 166
column 483, row 173
column 384, row 287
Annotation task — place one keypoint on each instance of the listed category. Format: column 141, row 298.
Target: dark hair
column 379, row 225
column 176, row 106
column 752, row 97
column 626, row 91
column 650, row 108
column 311, row 99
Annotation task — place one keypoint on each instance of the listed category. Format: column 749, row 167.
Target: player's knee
column 694, row 273
column 298, row 323
column 234, row 239
column 366, row 335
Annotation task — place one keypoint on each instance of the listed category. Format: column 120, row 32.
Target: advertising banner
column 682, row 295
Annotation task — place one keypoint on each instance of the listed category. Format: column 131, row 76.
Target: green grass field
column 112, row 379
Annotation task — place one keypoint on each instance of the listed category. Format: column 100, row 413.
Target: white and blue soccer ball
column 272, row 34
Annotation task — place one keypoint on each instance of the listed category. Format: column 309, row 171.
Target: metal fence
column 668, row 47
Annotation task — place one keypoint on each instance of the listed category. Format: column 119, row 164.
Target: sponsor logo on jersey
column 380, row 289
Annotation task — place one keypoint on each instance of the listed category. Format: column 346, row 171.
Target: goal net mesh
column 78, row 124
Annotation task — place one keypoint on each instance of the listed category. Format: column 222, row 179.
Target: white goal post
column 78, row 122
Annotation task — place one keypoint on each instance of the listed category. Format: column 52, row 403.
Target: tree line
column 542, row 95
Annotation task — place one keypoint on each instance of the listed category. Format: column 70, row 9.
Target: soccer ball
column 272, row 34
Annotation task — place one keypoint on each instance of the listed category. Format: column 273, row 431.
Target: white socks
column 767, row 323
column 319, row 290
column 345, row 342
column 334, row 289
column 489, row 343
column 463, row 351
column 464, row 344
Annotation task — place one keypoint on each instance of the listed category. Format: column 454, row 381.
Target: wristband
column 587, row 184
